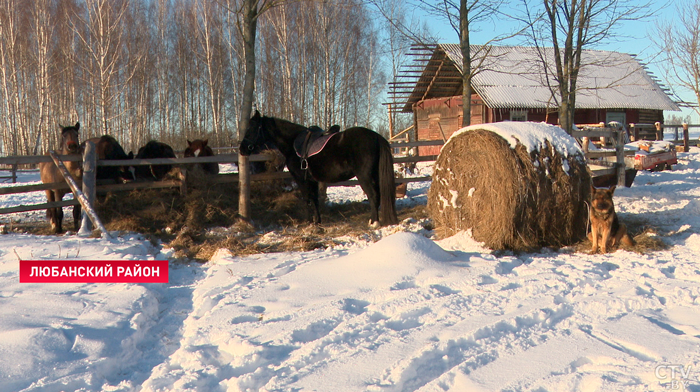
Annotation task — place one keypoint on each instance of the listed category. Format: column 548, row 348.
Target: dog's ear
column 612, row 189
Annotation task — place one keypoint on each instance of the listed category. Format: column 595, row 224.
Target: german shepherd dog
column 606, row 230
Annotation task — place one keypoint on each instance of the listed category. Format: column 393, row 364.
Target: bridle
column 65, row 138
column 260, row 138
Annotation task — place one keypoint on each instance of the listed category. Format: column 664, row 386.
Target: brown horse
column 50, row 173
column 199, row 148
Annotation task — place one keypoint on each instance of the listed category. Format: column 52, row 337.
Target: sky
column 634, row 38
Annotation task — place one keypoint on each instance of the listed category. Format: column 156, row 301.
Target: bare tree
column 679, row 43
column 248, row 12
column 570, row 26
column 207, row 33
column 463, row 17
column 10, row 64
column 41, row 16
column 401, row 30
column 100, row 32
column 167, row 68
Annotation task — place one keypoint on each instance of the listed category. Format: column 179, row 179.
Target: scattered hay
column 647, row 239
column 511, row 199
column 207, row 219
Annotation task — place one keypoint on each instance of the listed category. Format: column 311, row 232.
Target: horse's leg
column 76, row 216
column 371, row 189
column 312, row 199
column 51, row 212
column 384, row 177
column 309, row 192
column 58, row 217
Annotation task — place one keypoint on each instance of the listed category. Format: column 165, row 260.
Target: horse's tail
column 387, row 186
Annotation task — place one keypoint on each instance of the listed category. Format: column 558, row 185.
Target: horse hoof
column 374, row 225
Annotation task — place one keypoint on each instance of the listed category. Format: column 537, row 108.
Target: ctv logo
column 673, row 377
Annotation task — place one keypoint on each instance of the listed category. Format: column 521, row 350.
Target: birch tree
column 42, row 32
column 100, row 31
column 9, row 71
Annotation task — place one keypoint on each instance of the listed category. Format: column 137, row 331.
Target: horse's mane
column 285, row 124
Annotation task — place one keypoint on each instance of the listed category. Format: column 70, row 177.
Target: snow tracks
column 405, row 315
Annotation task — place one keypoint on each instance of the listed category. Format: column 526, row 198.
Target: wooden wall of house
column 584, row 116
column 439, row 118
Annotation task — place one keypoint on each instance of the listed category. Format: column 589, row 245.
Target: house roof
column 513, row 78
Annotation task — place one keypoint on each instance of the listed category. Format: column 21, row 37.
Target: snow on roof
column 532, row 135
column 513, row 77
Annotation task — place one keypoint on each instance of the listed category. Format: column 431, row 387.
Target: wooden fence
column 601, row 163
column 221, row 178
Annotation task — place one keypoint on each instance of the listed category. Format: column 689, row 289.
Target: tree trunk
column 250, row 21
column 466, row 64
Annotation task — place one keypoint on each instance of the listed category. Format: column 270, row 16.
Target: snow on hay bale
column 517, row 186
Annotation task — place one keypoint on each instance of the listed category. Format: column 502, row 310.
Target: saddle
column 312, row 142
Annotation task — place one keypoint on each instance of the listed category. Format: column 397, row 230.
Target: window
column 518, row 115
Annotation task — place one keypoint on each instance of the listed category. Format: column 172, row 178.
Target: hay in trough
column 517, row 186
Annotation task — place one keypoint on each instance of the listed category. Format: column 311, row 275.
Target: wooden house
column 511, row 85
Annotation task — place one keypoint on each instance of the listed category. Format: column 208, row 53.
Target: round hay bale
column 517, row 186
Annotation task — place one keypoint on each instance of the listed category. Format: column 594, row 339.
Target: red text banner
column 93, row 271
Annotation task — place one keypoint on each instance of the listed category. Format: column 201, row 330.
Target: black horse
column 356, row 152
column 154, row 149
column 108, row 148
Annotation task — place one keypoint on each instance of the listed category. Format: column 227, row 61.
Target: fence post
column 620, row 150
column 244, row 186
column 14, row 173
column 183, row 183
column 634, row 133
column 89, row 182
column 686, row 138
column 78, row 195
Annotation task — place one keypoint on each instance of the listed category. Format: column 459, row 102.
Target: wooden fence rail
column 222, row 178
column 615, row 167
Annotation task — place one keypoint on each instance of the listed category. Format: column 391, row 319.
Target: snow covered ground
column 406, row 313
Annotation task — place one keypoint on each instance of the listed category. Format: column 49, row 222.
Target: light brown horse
column 70, row 145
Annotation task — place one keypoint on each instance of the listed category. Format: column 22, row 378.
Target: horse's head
column 256, row 136
column 198, row 148
column 70, row 141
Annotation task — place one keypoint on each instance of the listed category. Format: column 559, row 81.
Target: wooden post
column 633, row 133
column 183, row 181
column 391, row 125
column 78, row 195
column 244, row 186
column 659, row 131
column 620, row 150
column 89, row 182
column 14, row 173
column 686, row 138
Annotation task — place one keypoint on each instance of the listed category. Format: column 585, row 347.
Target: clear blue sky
column 634, row 39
